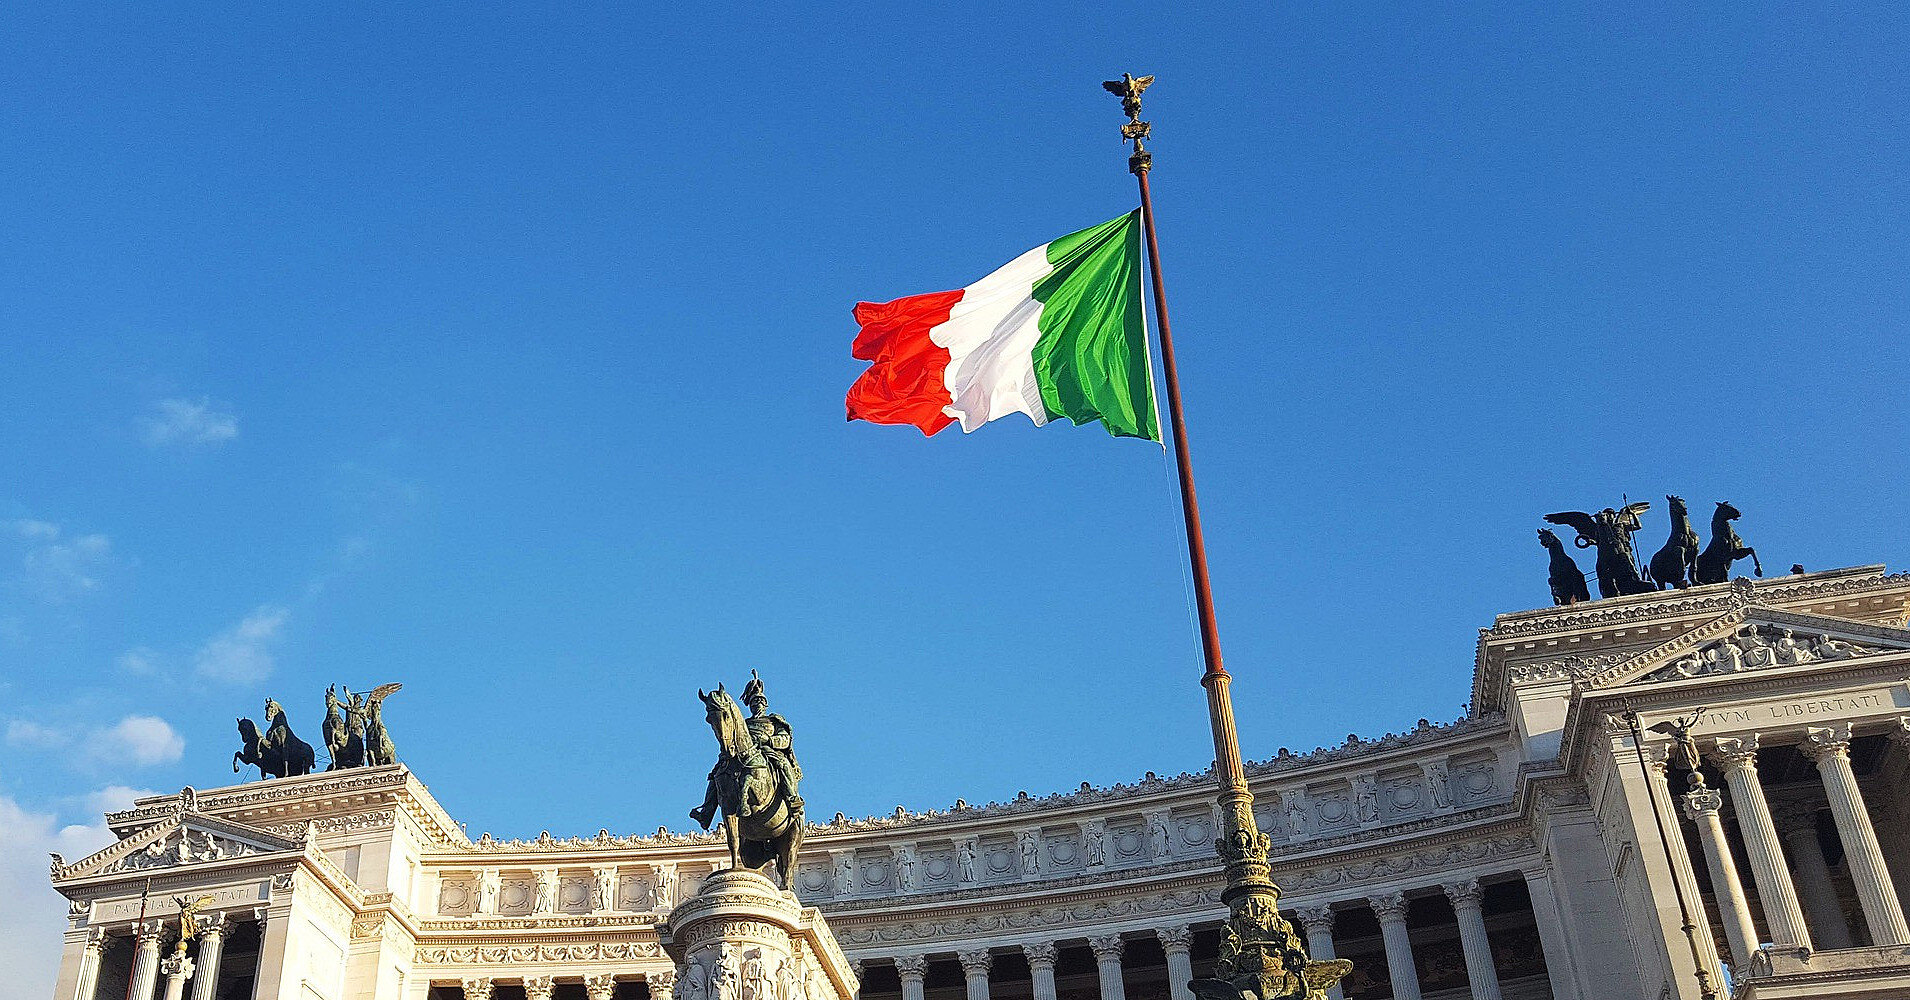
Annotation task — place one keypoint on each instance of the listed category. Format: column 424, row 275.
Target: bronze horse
column 758, row 823
column 1566, row 579
column 277, row 753
column 1714, row 563
column 1675, row 565
column 1610, row 531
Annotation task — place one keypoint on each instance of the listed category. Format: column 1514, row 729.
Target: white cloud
column 138, row 660
column 112, row 798
column 139, row 740
column 35, row 915
column 189, row 422
column 244, row 651
column 26, row 733
column 55, row 567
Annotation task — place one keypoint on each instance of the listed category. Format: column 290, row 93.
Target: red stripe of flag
column 904, row 382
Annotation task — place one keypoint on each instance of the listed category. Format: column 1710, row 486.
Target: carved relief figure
column 965, row 853
column 1834, row 649
column 1094, row 838
column 757, row 984
column 1789, row 651
column 603, row 894
column 1439, row 783
column 541, row 901
column 1754, row 648
column 904, row 867
column 1367, row 800
column 665, row 887
column 845, row 869
column 488, row 887
column 1030, row 844
column 724, row 979
column 1160, row 840
column 1297, row 825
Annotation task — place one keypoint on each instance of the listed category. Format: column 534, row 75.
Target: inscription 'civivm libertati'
column 1808, row 708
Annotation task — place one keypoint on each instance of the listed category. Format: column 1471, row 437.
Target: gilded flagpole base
column 1261, row 958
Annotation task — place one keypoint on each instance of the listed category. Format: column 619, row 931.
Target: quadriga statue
column 754, row 783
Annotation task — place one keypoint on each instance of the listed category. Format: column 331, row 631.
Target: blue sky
column 502, row 354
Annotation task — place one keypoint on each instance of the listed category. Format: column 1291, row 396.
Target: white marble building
column 1513, row 853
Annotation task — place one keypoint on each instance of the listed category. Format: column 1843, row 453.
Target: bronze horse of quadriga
column 759, row 824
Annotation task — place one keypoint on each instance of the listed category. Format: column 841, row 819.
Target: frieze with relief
column 1758, row 646
column 1099, row 911
column 503, row 954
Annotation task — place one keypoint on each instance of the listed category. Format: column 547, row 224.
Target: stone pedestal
column 741, row 937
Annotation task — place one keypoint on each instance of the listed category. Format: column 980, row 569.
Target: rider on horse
column 772, row 735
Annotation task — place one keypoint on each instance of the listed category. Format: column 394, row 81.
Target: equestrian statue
column 354, row 731
column 1676, row 564
column 1714, row 563
column 754, row 782
column 1610, row 531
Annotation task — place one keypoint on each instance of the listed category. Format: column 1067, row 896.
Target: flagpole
column 1260, row 950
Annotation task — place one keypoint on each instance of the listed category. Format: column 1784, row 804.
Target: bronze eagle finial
column 1128, row 88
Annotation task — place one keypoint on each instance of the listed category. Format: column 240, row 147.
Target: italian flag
column 1055, row 333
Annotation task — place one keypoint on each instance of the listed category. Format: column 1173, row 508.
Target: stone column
column 975, row 966
column 1823, row 911
column 1553, row 940
column 89, row 964
column 178, row 969
column 1177, row 944
column 912, row 968
column 1781, row 912
column 597, row 986
column 146, row 940
column 1830, row 748
column 1466, row 896
column 541, row 988
column 1734, row 909
column 479, row 988
column 1040, row 955
column 1107, row 960
column 1391, row 911
column 212, row 930
column 1318, row 922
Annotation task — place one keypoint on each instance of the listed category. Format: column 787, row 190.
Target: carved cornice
column 519, row 952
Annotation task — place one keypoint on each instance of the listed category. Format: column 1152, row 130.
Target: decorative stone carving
column 478, row 988
column 489, row 885
column 1388, row 906
column 600, row 985
column 544, row 893
column 1105, row 946
column 916, row 965
column 663, row 892
column 1367, row 799
column 975, row 961
column 1029, row 844
column 603, row 888
column 539, row 987
column 843, row 868
column 1464, row 892
column 904, row 855
column 1094, row 841
column 965, row 855
column 1160, row 837
column 1317, row 916
column 1175, row 937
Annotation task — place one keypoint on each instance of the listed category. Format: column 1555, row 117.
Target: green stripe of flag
column 1092, row 358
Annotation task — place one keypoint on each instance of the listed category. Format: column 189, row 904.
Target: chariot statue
column 276, row 752
column 1610, row 532
column 754, row 783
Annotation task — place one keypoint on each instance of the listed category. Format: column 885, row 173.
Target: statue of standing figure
column 1610, row 532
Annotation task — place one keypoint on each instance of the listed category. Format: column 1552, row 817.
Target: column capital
column 1179, row 937
column 975, row 961
column 1317, row 916
column 539, row 987
column 1737, row 753
column 1465, row 893
column 96, row 939
column 213, row 923
column 1388, row 906
column 1702, row 802
column 176, row 966
column 1825, row 742
column 1107, row 947
column 597, row 986
column 478, row 988
column 662, row 983
column 912, row 966
column 149, row 932
column 1039, row 953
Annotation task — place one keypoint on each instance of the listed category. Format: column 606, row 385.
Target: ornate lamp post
column 1261, row 958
